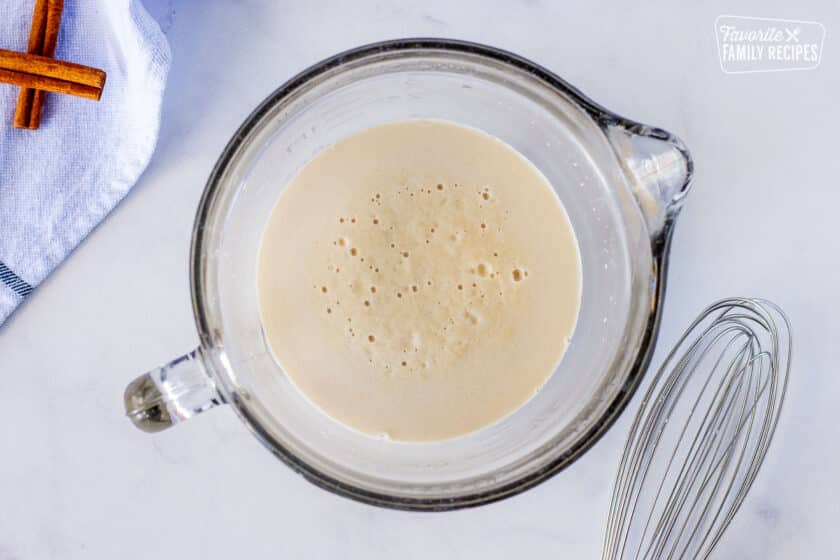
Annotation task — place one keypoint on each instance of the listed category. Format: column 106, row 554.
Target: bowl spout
column 658, row 166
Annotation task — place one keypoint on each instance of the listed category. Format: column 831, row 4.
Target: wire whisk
column 701, row 434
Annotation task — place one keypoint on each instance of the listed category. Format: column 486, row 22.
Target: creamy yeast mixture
column 419, row 280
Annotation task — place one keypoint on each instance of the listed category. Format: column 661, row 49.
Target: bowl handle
column 171, row 393
column 658, row 166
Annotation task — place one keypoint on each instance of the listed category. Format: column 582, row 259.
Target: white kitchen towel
column 58, row 182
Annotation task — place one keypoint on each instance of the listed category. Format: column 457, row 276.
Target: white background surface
column 78, row 481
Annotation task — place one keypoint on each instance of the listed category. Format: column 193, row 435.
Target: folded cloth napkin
column 58, row 182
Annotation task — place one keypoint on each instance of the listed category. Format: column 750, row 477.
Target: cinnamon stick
column 35, row 81
column 23, row 111
column 40, row 72
column 54, row 11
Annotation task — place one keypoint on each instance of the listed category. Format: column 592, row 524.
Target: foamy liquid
column 419, row 279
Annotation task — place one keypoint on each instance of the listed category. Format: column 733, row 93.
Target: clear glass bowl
column 621, row 183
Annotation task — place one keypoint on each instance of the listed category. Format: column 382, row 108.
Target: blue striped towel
column 59, row 182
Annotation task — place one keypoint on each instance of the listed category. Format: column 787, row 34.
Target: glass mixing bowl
column 621, row 183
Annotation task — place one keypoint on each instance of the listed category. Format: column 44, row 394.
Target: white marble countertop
column 77, row 480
